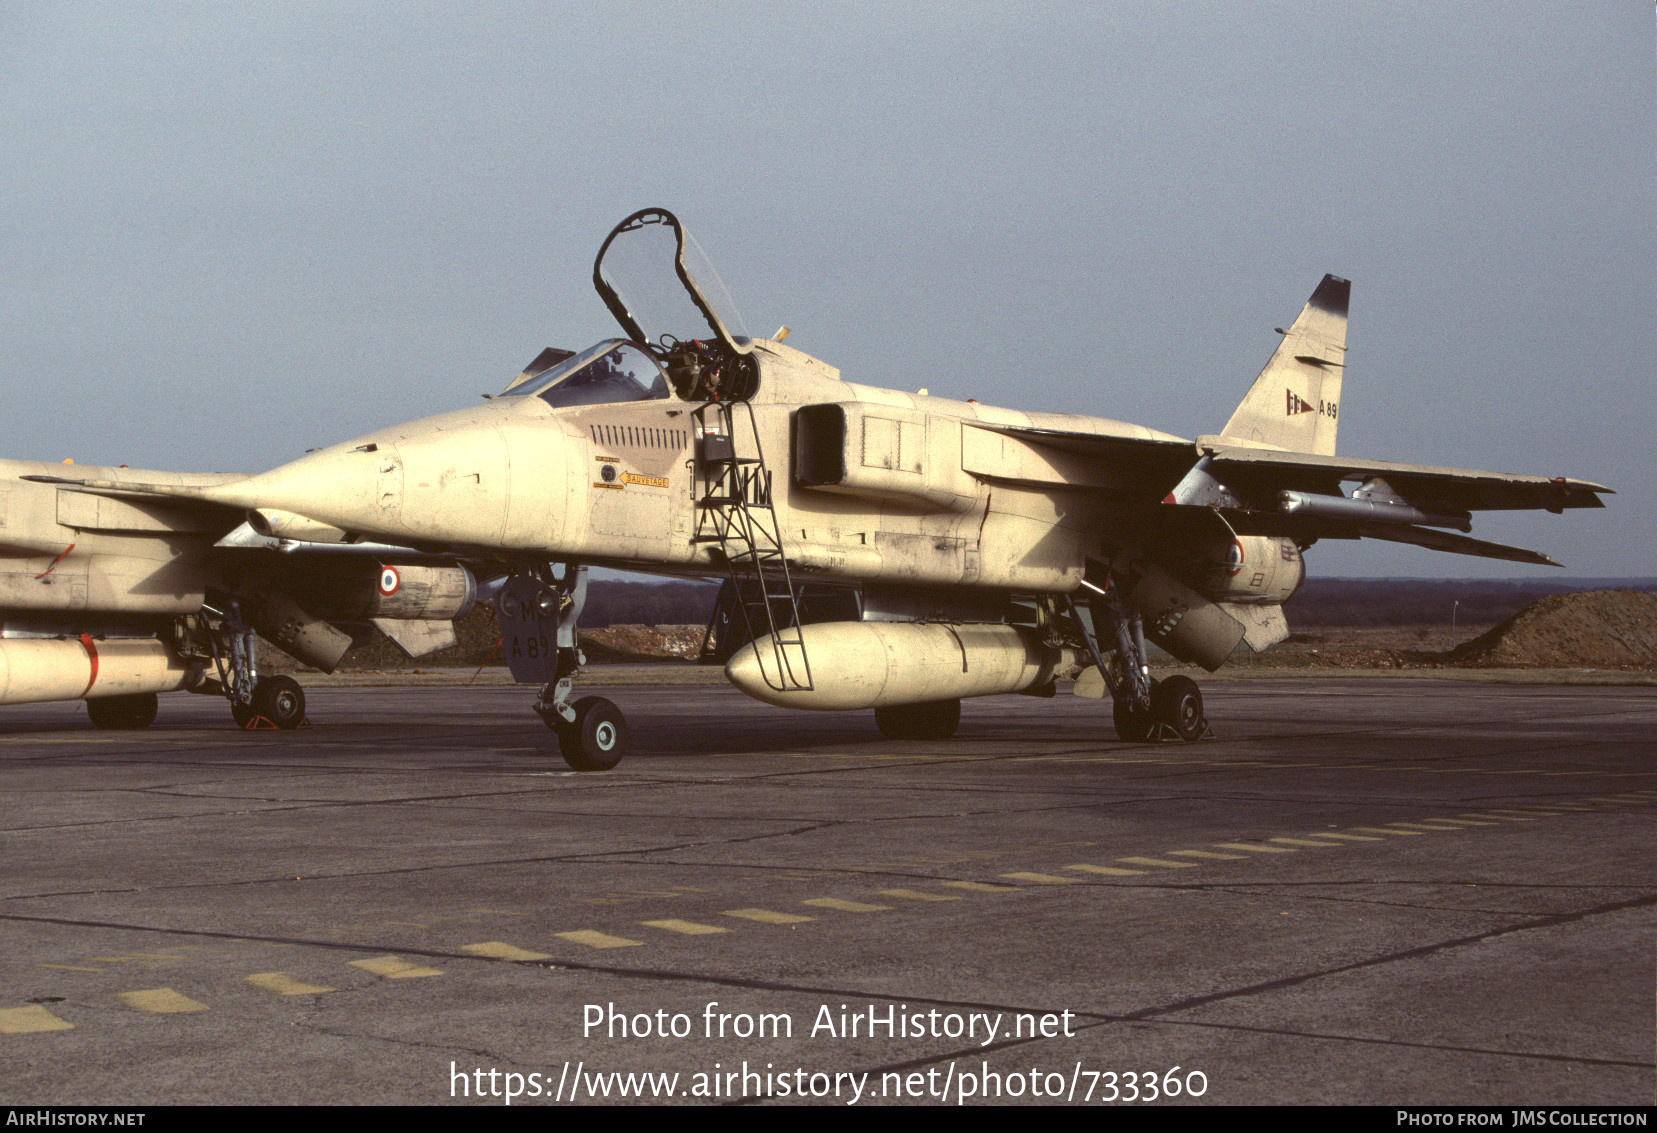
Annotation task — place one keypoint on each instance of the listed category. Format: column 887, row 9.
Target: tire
column 123, row 713
column 1133, row 723
column 598, row 738
column 933, row 720
column 281, row 701
column 1177, row 702
column 243, row 714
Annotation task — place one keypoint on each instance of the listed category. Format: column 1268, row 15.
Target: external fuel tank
column 877, row 664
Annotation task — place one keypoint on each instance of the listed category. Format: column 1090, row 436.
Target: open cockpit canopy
column 661, row 287
column 684, row 333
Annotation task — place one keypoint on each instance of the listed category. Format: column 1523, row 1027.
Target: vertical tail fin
column 1295, row 402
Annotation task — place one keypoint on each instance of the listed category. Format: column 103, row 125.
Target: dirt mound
column 611, row 645
column 1604, row 629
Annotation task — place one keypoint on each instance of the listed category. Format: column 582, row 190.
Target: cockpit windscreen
column 609, row 373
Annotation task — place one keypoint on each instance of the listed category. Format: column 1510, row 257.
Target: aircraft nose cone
column 480, row 477
column 337, row 486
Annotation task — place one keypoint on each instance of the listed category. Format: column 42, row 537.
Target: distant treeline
column 1420, row 601
column 615, row 603
column 1321, row 602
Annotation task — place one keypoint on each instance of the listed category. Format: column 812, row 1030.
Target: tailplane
column 1295, row 402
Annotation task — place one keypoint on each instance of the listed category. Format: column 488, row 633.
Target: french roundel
column 1234, row 558
column 389, row 580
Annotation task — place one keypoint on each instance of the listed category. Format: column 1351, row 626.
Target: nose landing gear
column 538, row 612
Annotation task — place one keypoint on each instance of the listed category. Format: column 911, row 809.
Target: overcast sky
column 229, row 233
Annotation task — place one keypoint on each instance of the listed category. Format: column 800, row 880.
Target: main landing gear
column 256, row 703
column 538, row 612
column 1144, row 710
column 934, row 720
column 123, row 713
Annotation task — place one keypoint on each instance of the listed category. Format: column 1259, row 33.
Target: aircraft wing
column 1305, row 530
column 1259, row 474
column 1248, row 487
column 1157, row 464
column 183, row 495
column 1150, row 465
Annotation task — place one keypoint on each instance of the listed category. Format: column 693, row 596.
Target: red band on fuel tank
column 91, row 656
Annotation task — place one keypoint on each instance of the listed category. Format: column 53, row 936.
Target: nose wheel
column 596, row 739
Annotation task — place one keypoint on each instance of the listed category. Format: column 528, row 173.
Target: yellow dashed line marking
column 1349, row 837
column 500, row 950
column 71, row 968
column 394, row 968
column 281, row 983
column 684, row 928
column 1462, row 822
column 1041, row 878
column 1424, row 826
column 1530, row 810
column 1108, row 871
column 1502, row 817
column 27, row 1020
column 1207, row 854
column 767, row 916
column 917, row 895
column 1161, row 863
column 1394, row 833
column 159, row 1001
column 1254, row 848
column 594, row 939
column 1304, row 842
column 980, row 887
column 843, row 905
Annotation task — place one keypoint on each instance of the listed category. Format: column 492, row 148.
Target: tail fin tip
column 1295, row 402
column 1333, row 295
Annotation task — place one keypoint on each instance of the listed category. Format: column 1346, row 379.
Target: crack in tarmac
column 1155, row 1014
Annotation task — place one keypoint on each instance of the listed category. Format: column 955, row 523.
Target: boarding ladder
column 735, row 512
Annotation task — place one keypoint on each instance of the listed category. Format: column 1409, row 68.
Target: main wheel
column 123, row 713
column 1133, row 723
column 1177, row 702
column 933, row 720
column 598, row 738
column 281, row 701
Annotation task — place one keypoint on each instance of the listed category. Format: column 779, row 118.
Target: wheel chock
column 265, row 724
column 1164, row 734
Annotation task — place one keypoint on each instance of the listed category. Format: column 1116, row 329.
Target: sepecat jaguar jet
column 880, row 549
